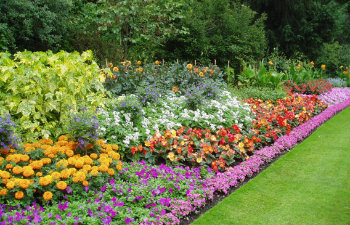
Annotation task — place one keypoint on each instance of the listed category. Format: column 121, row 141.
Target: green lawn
column 309, row 185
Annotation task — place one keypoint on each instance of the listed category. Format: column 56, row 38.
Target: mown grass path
column 309, row 185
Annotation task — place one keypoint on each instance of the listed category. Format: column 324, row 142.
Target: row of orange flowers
column 46, row 168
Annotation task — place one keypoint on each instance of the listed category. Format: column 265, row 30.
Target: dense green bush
column 37, row 25
column 263, row 93
column 220, row 30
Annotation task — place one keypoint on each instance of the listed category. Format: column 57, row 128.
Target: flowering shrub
column 83, row 127
column 148, row 94
column 7, row 138
column 126, row 77
column 220, row 149
column 312, row 87
column 118, row 127
column 46, row 171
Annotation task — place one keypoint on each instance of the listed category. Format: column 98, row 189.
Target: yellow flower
column 271, row 63
column 323, row 66
column 24, row 158
column 69, row 153
column 110, row 65
column 312, row 64
column 56, row 175
column 201, row 74
column 189, row 66
column 171, row 156
column 19, row 195
column 10, row 185
column 93, row 156
column 17, row 170
column 157, row 62
column 28, row 171
column 62, row 185
column 115, row 147
column 199, row 160
column 115, row 69
column 140, row 69
column 79, row 163
column 24, row 183
column 139, row 62
column 103, row 168
column 94, row 172
column 85, row 183
column 47, row 195
column 299, row 67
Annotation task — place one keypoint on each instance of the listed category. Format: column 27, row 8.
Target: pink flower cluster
column 336, row 95
column 230, row 178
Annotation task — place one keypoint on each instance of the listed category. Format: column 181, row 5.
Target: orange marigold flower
column 39, row 174
column 9, row 166
column 175, row 89
column 19, row 195
column 157, row 62
column 62, row 185
column 10, row 185
column 115, row 147
column 65, row 173
column 85, row 183
column 17, row 170
column 46, row 161
column 94, row 172
column 24, row 183
column 56, row 175
column 79, row 163
column 3, row 192
column 47, row 195
column 110, row 171
column 103, row 168
column 110, row 65
column 189, row 66
column 28, row 171
column 25, row 158
column 69, row 153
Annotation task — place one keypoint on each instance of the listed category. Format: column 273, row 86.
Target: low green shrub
column 264, row 93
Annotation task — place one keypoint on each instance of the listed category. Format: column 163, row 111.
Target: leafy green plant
column 37, row 89
column 264, row 93
column 127, row 77
column 83, row 127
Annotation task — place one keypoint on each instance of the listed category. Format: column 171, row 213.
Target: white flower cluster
column 171, row 113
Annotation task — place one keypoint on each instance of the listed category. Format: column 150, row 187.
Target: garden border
column 263, row 158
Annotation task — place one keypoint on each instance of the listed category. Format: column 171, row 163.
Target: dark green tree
column 220, row 30
column 35, row 25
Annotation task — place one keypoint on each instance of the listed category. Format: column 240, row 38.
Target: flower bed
column 147, row 194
